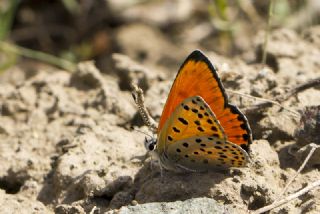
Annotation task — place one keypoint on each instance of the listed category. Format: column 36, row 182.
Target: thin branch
column 289, row 198
column 300, row 87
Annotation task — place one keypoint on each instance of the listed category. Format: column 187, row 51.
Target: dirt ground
column 69, row 140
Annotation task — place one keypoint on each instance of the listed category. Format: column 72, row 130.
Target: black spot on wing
column 213, row 128
column 200, row 129
column 186, row 107
column 200, row 116
column 175, row 129
column 244, row 147
column 245, row 137
column 183, row 121
column 243, row 126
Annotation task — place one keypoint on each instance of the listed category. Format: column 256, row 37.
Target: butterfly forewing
column 205, row 153
column 198, row 77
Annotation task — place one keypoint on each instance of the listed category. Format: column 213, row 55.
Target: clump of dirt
column 67, row 144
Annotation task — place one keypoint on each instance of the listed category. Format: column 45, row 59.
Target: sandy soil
column 67, row 142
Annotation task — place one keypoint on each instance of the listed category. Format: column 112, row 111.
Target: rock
column 19, row 204
column 194, row 205
column 94, row 168
column 64, row 209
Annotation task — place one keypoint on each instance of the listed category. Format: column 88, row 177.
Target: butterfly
column 199, row 130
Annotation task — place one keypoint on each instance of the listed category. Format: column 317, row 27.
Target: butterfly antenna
column 138, row 98
column 143, row 132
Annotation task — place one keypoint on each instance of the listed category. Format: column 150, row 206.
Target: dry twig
column 309, row 84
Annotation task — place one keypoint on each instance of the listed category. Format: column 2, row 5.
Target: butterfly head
column 150, row 144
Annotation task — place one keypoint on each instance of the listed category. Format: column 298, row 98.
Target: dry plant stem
column 265, row 100
column 281, row 98
column 288, row 198
column 137, row 94
column 313, row 148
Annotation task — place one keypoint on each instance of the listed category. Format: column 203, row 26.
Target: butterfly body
column 199, row 130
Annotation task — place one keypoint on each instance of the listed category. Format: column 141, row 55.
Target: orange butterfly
column 199, row 130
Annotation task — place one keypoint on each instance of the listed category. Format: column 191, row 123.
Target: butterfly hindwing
column 193, row 117
column 198, row 77
column 204, row 153
column 236, row 126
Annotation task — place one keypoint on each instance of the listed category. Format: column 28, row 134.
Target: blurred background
column 67, row 141
column 151, row 32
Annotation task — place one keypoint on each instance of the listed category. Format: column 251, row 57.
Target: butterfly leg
column 141, row 158
column 185, row 169
column 161, row 171
column 152, row 162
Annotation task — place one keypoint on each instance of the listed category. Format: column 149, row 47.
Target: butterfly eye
column 150, row 144
column 151, row 147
